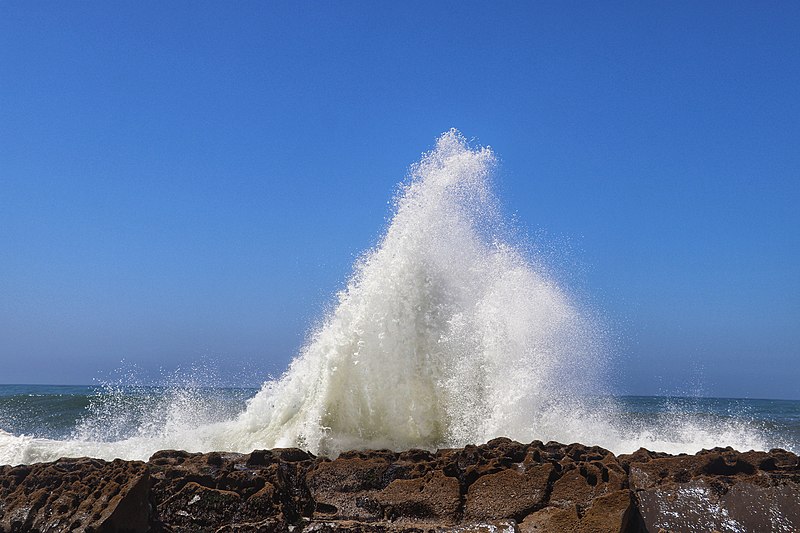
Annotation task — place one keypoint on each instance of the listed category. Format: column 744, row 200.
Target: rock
column 585, row 475
column 346, row 488
column 508, row 493
column 75, row 495
column 401, row 488
column 609, row 512
column 205, row 492
column 499, row 486
column 433, row 497
column 588, row 491
column 719, row 490
column 550, row 519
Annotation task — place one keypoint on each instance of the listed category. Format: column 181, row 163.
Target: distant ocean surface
column 65, row 412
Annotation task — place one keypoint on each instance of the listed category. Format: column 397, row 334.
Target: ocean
column 447, row 333
column 69, row 413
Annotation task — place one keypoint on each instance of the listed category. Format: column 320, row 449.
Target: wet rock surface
column 719, row 490
column 498, row 486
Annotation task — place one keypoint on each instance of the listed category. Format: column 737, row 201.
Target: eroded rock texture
column 75, row 495
column 499, row 486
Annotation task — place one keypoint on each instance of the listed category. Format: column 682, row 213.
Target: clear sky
column 192, row 180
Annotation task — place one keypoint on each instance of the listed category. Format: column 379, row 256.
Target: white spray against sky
column 445, row 335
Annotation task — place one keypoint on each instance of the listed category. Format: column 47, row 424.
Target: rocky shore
column 499, row 486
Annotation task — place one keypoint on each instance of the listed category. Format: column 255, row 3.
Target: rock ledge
column 499, row 486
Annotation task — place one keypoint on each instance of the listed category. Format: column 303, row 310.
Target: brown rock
column 196, row 507
column 508, row 493
column 606, row 513
column 579, row 485
column 550, row 519
column 75, row 495
column 204, row 492
column 434, row 497
column 499, row 486
column 719, row 489
column 609, row 512
column 347, row 487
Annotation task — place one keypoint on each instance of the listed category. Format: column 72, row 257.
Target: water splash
column 445, row 335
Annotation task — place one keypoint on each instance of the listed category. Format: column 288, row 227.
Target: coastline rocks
column 75, row 495
column 384, row 486
column 204, row 492
column 499, row 486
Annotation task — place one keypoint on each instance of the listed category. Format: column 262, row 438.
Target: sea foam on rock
column 499, row 486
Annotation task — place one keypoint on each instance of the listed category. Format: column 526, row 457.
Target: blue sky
column 188, row 180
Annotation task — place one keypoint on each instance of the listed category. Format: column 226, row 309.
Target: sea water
column 447, row 333
column 58, row 413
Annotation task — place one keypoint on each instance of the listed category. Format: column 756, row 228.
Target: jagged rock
column 404, row 487
column 204, row 492
column 581, row 482
column 588, row 491
column 75, row 495
column 499, row 486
